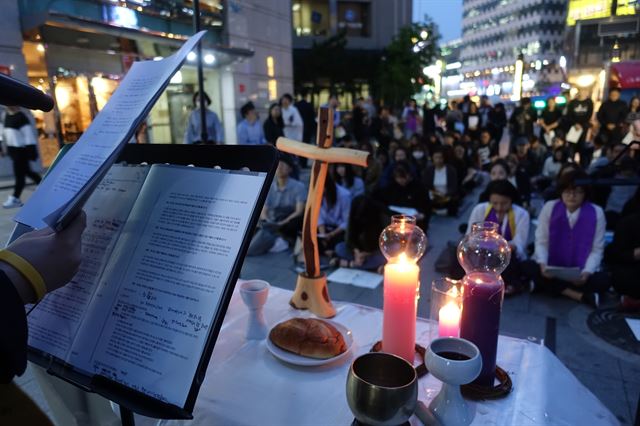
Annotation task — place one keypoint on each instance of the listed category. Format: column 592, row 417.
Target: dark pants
column 267, row 234
column 598, row 282
column 371, row 263
column 21, row 167
column 625, row 279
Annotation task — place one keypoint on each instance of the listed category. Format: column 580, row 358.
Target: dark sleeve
column 452, row 181
column 600, row 114
column 13, row 339
column 624, row 242
column 428, row 177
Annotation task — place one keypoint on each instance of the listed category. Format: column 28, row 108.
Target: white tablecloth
column 246, row 385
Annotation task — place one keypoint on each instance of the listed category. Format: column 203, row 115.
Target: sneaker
column 12, row 202
column 279, row 246
column 591, row 299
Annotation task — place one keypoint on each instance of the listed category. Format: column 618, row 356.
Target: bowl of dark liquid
column 382, row 389
column 454, row 362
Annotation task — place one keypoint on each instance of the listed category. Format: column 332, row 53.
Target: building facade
column 602, row 37
column 496, row 33
column 78, row 50
column 368, row 26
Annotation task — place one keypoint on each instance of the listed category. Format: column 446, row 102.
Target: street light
column 517, row 79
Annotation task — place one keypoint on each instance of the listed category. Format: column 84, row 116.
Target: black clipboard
column 263, row 158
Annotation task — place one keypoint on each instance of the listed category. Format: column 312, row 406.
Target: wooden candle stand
column 311, row 288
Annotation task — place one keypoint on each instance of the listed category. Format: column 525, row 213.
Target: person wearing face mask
column 513, row 224
column 442, row 182
column 419, row 156
column 570, row 234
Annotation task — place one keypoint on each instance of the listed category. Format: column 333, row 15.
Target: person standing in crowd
column 382, row 127
column 359, row 121
column 570, row 234
column 549, row 121
column 308, row 117
column 497, row 121
column 513, row 225
column 441, row 180
column 472, row 121
column 411, row 118
column 249, row 130
column 293, row 125
column 430, row 112
column 522, row 120
column 19, row 135
column 485, row 110
column 612, row 115
column 578, row 117
column 454, row 118
column 334, row 104
column 273, row 126
column 193, row 131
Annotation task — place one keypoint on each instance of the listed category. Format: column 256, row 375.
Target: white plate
column 304, row 361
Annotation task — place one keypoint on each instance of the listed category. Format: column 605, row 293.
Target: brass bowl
column 382, row 389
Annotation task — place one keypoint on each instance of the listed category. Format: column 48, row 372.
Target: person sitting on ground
column 486, row 151
column 281, row 218
column 250, row 130
column 520, row 178
column 537, row 154
column 400, row 155
column 570, row 234
column 623, row 257
column 343, row 175
column 333, row 217
column 442, row 182
column 367, row 218
column 405, row 191
column 499, row 170
column 551, row 193
column 620, row 194
column 513, row 224
column 420, row 158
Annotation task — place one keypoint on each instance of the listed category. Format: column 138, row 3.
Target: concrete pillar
column 11, row 42
column 228, row 96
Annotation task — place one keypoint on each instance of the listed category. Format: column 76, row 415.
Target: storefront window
column 310, row 17
column 354, row 17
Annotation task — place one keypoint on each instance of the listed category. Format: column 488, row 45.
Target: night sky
column 446, row 13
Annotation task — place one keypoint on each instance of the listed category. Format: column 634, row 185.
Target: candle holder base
column 421, row 369
column 501, row 390
column 311, row 293
column 355, row 422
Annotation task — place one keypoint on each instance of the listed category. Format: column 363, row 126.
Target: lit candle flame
column 402, row 258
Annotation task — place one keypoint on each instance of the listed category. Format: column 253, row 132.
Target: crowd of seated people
column 531, row 176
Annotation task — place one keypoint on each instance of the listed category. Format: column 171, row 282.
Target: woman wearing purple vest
column 513, row 225
column 570, row 234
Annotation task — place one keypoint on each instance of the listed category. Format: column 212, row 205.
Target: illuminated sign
column 120, row 16
column 588, row 9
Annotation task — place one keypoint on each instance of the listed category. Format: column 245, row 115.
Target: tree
column 400, row 73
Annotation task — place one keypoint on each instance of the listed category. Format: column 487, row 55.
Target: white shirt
column 521, row 217
column 440, row 180
column 541, row 254
column 292, row 123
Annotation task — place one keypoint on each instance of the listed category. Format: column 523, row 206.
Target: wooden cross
column 311, row 288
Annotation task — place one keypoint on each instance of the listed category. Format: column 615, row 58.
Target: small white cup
column 254, row 294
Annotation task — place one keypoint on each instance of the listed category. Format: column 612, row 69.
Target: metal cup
column 382, row 389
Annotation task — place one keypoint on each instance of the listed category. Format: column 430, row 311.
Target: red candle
column 401, row 289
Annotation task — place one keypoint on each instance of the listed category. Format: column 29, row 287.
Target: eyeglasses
column 573, row 191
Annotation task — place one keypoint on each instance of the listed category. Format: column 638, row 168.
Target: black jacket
column 13, row 339
column 452, row 179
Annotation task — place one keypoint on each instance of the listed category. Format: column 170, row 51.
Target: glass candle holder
column 446, row 307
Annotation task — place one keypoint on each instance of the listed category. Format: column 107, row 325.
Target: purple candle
column 480, row 322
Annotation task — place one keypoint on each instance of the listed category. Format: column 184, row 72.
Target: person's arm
column 477, row 215
column 296, row 213
column 541, row 254
column 521, row 237
column 243, row 134
column 189, row 130
column 36, row 250
column 218, row 129
column 600, row 115
column 597, row 249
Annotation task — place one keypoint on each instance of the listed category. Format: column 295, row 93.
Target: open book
column 158, row 251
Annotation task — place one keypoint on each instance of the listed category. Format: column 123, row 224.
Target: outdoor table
column 246, row 385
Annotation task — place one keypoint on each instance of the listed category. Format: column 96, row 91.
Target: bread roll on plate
column 308, row 337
